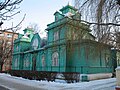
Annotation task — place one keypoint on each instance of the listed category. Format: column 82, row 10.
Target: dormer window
column 56, row 18
column 57, row 15
column 56, row 35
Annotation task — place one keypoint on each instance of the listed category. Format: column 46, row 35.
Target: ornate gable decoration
column 36, row 41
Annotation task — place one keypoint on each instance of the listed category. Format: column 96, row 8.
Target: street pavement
column 77, row 88
column 3, row 88
column 16, row 86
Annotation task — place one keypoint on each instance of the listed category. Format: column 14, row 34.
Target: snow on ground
column 92, row 85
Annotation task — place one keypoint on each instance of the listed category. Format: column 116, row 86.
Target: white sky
column 37, row 11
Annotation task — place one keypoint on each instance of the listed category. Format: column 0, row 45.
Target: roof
column 8, row 31
column 30, row 29
column 68, row 6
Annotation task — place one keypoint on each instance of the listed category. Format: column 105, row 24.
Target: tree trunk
column 1, row 66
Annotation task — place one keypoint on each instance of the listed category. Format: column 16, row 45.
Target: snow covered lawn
column 103, row 84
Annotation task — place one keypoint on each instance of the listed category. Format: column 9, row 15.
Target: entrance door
column 34, row 61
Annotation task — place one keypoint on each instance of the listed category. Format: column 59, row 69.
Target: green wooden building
column 70, row 47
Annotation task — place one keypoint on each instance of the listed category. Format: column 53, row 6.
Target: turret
column 68, row 10
column 28, row 32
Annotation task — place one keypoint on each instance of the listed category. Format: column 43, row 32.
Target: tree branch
column 16, row 25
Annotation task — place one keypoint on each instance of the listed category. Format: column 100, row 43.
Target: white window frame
column 56, row 17
column 17, row 48
column 107, row 59
column 35, row 44
column 56, row 35
column 26, row 62
column 55, row 59
column 43, row 60
column 16, row 62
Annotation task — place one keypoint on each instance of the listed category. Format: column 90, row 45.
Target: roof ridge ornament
column 68, row 3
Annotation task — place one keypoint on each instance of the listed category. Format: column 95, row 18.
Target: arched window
column 17, row 48
column 26, row 61
column 56, row 35
column 35, row 44
column 43, row 60
column 55, row 58
column 107, row 59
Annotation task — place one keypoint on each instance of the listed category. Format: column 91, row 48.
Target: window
column 9, row 35
column 17, row 48
column 9, row 43
column 43, row 60
column 26, row 62
column 56, row 17
column 56, row 35
column 1, row 34
column 16, row 62
column 35, row 43
column 118, row 62
column 55, row 57
column 107, row 58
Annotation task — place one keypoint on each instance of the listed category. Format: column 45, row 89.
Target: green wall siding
column 27, row 61
column 61, row 50
column 85, row 59
column 83, row 56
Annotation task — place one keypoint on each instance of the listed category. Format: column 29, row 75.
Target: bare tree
column 6, row 44
column 5, row 51
column 104, row 18
column 34, row 27
column 8, row 8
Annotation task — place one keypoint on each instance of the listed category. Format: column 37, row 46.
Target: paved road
column 108, row 88
column 16, row 86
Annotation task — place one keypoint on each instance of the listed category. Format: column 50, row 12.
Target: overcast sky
column 38, row 11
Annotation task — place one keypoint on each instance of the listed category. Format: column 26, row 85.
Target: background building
column 6, row 46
